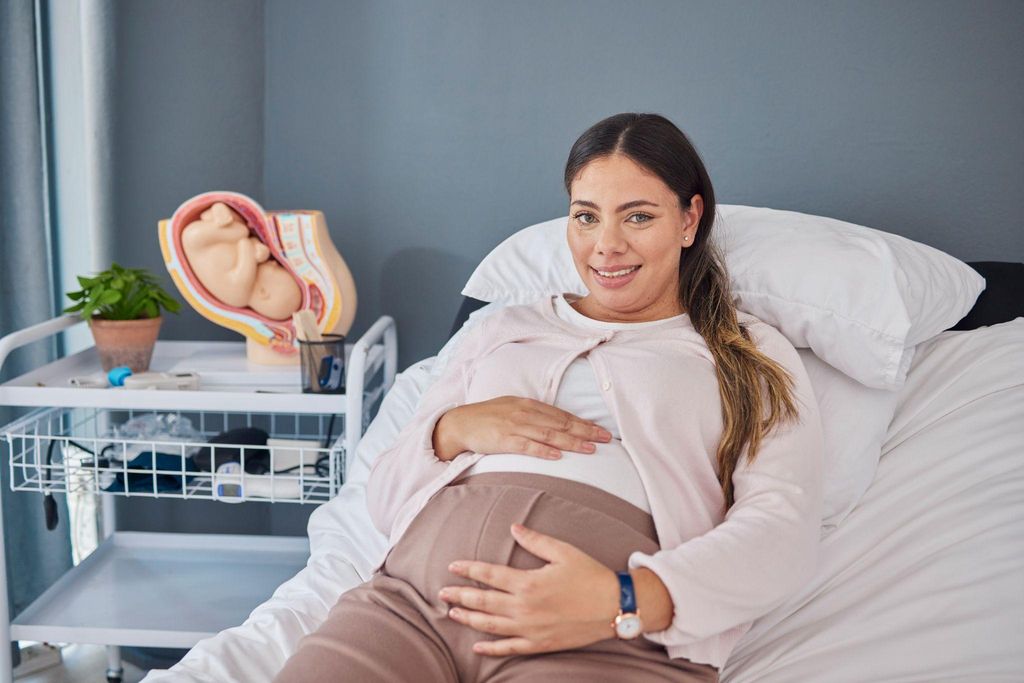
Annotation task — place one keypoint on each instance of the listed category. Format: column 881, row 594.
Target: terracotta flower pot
column 125, row 342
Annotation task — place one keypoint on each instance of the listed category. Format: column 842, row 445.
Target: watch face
column 628, row 626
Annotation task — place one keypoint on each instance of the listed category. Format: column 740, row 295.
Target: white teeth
column 617, row 273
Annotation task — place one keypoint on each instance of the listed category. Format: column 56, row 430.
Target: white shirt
column 609, row 467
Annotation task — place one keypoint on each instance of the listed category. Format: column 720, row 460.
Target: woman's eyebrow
column 627, row 205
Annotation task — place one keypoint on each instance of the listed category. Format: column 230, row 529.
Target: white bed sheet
column 923, row 581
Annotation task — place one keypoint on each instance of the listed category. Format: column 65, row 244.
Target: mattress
column 923, row 581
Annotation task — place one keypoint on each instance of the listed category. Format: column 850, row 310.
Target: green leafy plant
column 121, row 294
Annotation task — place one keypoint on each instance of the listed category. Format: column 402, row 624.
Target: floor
column 82, row 663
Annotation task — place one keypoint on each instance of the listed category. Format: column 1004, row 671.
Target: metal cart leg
column 114, row 669
column 6, row 661
column 109, row 508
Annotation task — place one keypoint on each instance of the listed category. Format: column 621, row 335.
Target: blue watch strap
column 627, row 596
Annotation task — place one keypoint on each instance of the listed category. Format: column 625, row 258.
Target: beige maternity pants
column 394, row 628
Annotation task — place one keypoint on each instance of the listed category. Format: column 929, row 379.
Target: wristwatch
column 627, row 624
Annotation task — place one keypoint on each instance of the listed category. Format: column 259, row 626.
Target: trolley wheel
column 113, row 679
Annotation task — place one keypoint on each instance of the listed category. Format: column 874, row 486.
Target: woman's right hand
column 514, row 424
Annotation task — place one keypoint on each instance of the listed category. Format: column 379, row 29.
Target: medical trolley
column 154, row 589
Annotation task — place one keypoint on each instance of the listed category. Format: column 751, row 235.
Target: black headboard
column 469, row 304
column 1002, row 300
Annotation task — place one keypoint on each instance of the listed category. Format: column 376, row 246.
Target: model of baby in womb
column 237, row 268
column 250, row 270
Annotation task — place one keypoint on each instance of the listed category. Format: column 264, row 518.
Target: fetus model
column 249, row 270
column 236, row 267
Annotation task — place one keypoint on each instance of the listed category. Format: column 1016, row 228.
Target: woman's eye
column 646, row 217
column 584, row 214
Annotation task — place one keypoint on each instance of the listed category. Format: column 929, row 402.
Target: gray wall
column 189, row 118
column 428, row 131
column 189, row 93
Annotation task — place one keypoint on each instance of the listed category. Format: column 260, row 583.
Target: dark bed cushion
column 1002, row 300
column 1003, row 297
column 469, row 304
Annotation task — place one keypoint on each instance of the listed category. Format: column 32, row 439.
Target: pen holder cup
column 323, row 365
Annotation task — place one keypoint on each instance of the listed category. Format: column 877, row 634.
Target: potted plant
column 122, row 306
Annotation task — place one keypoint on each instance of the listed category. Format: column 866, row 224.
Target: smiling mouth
column 627, row 272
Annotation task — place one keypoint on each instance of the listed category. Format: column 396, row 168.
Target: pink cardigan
column 722, row 571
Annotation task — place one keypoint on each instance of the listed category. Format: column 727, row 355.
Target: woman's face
column 621, row 215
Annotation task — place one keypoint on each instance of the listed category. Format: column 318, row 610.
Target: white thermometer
column 162, row 380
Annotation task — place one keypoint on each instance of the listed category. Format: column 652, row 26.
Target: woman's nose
column 610, row 239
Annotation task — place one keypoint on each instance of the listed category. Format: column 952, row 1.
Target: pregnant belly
column 609, row 468
column 472, row 523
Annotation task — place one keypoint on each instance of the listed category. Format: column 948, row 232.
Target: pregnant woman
column 602, row 488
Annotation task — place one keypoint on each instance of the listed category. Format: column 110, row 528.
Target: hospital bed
column 923, row 580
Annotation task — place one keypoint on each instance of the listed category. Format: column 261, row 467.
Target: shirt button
column 607, row 385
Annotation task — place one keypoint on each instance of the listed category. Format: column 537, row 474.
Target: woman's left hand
column 568, row 603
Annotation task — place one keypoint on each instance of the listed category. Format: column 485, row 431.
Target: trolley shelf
column 226, row 379
column 161, row 589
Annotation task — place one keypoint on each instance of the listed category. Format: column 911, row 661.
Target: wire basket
column 72, row 450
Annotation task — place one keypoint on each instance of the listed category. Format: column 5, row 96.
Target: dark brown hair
column 749, row 381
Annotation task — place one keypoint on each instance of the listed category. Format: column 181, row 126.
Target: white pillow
column 860, row 298
column 852, row 446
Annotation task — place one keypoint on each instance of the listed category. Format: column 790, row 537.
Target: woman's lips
column 614, row 282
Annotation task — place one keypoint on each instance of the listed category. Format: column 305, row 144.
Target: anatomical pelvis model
column 249, row 270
